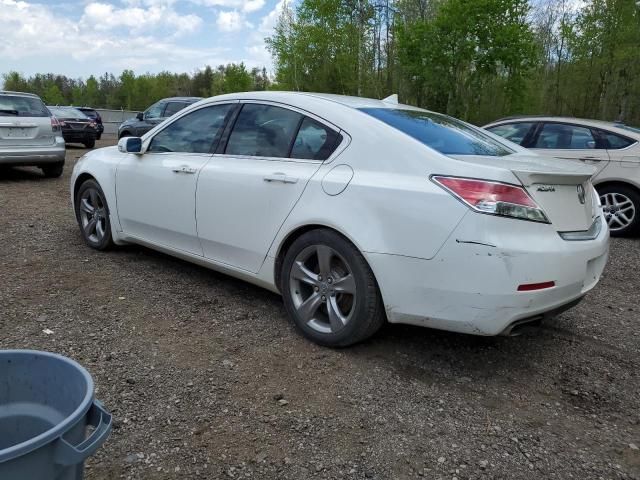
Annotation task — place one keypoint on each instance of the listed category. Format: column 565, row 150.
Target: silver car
column 29, row 134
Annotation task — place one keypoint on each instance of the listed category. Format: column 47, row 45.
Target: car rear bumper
column 78, row 136
column 38, row 155
column 471, row 285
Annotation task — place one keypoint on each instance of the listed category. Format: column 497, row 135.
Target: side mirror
column 130, row 145
column 140, row 116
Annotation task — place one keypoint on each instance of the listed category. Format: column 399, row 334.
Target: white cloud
column 151, row 14
column 257, row 49
column 231, row 21
column 33, row 33
column 243, row 5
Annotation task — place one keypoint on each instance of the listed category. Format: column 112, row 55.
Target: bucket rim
column 61, row 428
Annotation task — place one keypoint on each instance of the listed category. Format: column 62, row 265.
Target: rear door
column 572, row 142
column 24, row 122
column 248, row 189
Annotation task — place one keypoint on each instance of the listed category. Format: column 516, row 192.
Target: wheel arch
column 296, row 233
column 83, row 177
column 619, row 182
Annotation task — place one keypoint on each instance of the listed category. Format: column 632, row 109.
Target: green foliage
column 475, row 59
column 137, row 92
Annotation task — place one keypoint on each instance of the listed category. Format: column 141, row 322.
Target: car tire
column 99, row 136
column 90, row 143
column 53, row 170
column 621, row 207
column 92, row 214
column 339, row 309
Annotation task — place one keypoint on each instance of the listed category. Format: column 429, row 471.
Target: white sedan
column 357, row 211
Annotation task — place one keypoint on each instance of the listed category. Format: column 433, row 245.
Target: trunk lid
column 562, row 188
column 25, row 131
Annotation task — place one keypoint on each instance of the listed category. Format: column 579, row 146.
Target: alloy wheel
column 93, row 215
column 323, row 289
column 619, row 210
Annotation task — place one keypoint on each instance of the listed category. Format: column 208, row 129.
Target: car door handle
column 590, row 159
column 280, row 177
column 184, row 169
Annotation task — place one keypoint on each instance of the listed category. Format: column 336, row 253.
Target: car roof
column 612, row 126
column 195, row 99
column 345, row 100
column 23, row 94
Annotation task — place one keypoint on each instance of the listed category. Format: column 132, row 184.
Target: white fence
column 111, row 119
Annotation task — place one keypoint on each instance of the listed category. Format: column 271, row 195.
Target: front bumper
column 471, row 285
column 39, row 155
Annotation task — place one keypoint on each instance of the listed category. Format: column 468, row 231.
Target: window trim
column 148, row 137
column 542, row 123
column 222, row 145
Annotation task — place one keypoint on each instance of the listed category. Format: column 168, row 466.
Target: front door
column 156, row 191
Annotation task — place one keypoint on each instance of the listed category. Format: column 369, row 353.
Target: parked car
column 152, row 116
column 76, row 126
column 29, row 135
column 93, row 114
column 357, row 211
column 613, row 148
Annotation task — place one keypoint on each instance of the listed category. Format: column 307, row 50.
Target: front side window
column 558, row 136
column 515, row 132
column 193, row 133
column 314, row 141
column 440, row 132
column 154, row 111
column 263, row 131
column 173, row 107
column 22, row 106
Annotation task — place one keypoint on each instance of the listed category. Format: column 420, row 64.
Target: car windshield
column 21, row 106
column 440, row 132
column 67, row 112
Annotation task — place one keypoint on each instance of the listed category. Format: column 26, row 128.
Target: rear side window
column 440, row 132
column 193, row 133
column 515, row 132
column 565, row 137
column 263, row 131
column 615, row 142
column 173, row 107
column 19, row 106
column 314, row 141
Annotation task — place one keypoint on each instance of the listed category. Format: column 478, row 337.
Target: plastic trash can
column 46, row 409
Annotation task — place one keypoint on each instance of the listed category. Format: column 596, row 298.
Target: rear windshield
column 440, row 132
column 630, row 128
column 89, row 112
column 67, row 112
column 19, row 106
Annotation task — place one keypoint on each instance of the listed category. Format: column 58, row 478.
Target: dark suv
column 152, row 116
column 95, row 116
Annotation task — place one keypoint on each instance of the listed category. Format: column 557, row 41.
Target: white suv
column 613, row 148
column 29, row 134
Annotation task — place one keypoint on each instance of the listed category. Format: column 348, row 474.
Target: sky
column 79, row 38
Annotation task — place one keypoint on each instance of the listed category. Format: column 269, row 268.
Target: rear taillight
column 92, row 124
column 495, row 198
column 55, row 124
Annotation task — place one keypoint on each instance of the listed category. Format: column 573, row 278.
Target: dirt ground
column 207, row 378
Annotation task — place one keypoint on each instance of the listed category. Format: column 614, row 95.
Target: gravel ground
column 207, row 378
